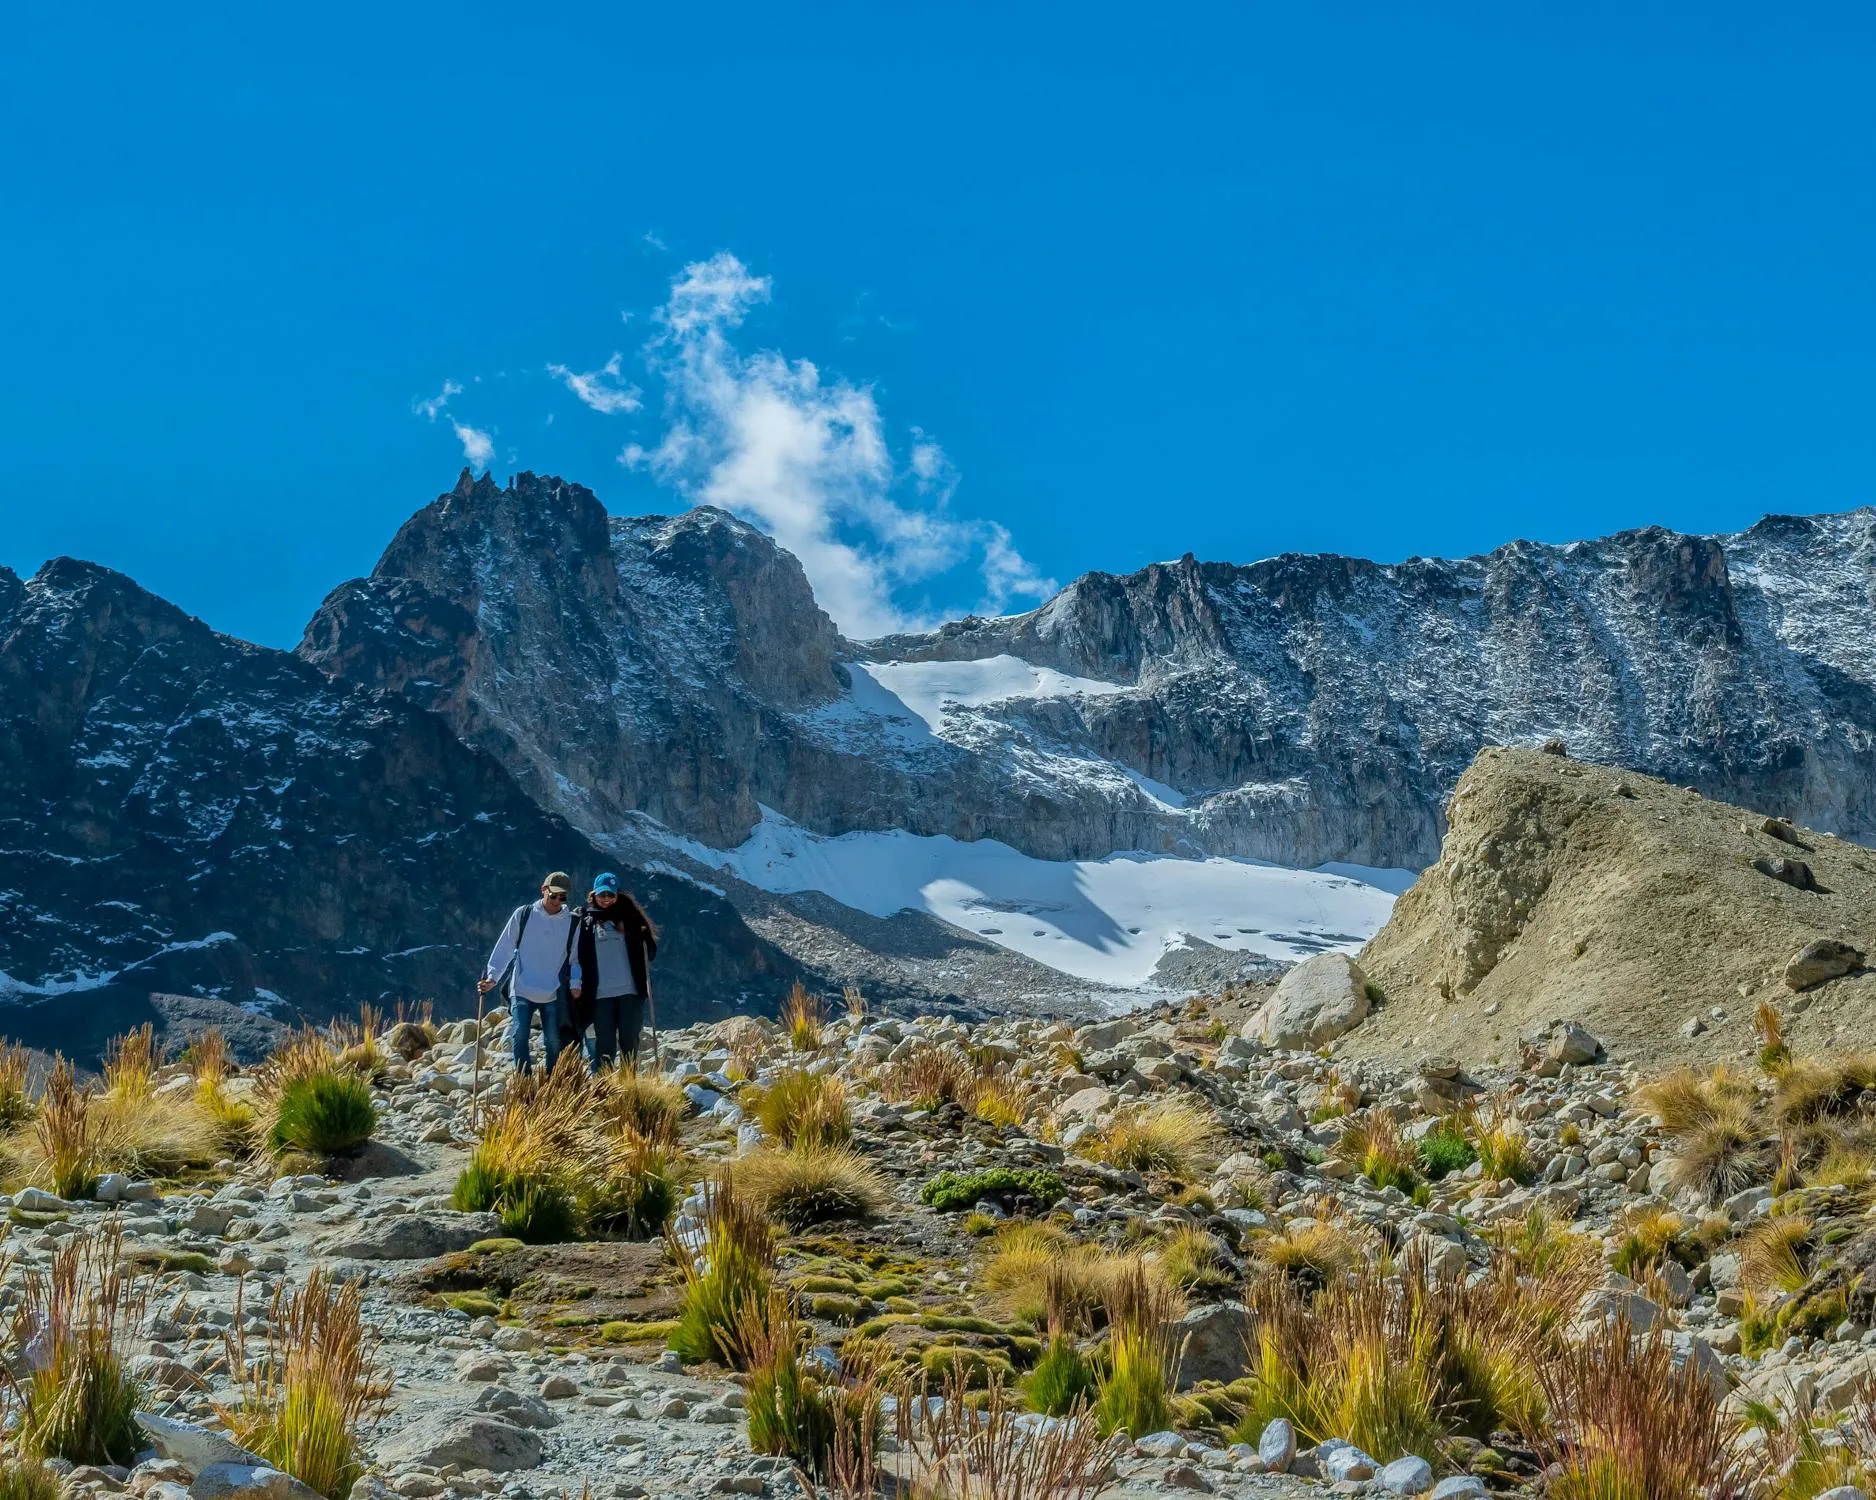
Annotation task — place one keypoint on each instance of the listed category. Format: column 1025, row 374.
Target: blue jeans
column 552, row 1017
column 616, row 1022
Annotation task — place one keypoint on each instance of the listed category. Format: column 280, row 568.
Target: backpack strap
column 521, row 926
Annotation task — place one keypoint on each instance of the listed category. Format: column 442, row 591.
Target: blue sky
column 958, row 299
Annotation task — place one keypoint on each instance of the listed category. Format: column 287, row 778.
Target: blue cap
column 607, row 882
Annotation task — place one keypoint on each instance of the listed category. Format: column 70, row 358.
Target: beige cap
column 560, row 881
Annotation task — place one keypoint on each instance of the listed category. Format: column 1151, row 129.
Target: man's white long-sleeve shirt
column 545, row 946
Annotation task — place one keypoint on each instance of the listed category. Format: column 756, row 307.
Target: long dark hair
column 626, row 915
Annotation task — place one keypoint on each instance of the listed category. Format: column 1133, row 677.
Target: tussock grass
column 207, row 1057
column 1644, row 1238
column 1772, row 1254
column 1001, row 1098
column 1192, row 1259
column 801, row 1188
column 1398, row 1365
column 68, row 1158
column 1624, row 1424
column 1774, row 1055
column 1062, row 1380
column 1502, row 1145
column 1134, row 1389
column 1313, row 1255
column 803, row 1017
column 322, row 1114
column 929, row 1075
column 963, row 1445
column 1811, row 1091
column 731, row 1277
column 527, row 1165
column 1685, row 1100
column 16, row 1103
column 1445, row 1149
column 1375, row 1147
column 79, row 1318
column 1173, row 1138
column 635, row 1190
column 642, row 1104
column 24, row 1478
column 805, row 1109
column 304, row 1404
column 1721, row 1157
column 798, row 1409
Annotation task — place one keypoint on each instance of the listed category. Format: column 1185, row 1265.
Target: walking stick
column 475, row 1089
column 651, row 1014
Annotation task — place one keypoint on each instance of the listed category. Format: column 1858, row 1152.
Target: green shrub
column 797, row 1410
column 322, row 1114
column 1444, row 1150
column 949, row 1191
column 1062, row 1378
column 81, row 1402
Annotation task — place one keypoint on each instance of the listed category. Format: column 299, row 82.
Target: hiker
column 617, row 944
column 535, row 954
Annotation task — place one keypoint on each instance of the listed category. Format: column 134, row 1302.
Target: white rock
column 1316, row 1002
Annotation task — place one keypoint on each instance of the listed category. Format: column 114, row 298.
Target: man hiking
column 616, row 946
column 537, row 945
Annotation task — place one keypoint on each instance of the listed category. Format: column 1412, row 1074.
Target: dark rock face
column 187, row 813
column 1300, row 709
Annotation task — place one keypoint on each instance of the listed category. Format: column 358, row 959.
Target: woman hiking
column 616, row 946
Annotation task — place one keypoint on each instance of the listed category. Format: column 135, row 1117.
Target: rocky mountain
column 186, row 813
column 1301, row 710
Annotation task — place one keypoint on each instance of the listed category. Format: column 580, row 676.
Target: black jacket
column 641, row 947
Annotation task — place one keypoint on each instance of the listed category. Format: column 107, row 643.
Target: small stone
column 1345, row 1462
column 1460, row 1487
column 1185, row 1477
column 1160, row 1445
column 559, row 1387
column 676, row 1407
column 248, row 1482
column 1276, row 1446
column 1411, row 1475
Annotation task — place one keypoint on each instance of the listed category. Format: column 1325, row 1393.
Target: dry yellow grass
column 1173, row 1137
column 805, row 1187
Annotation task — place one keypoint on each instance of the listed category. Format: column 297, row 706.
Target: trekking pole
column 475, row 1089
column 651, row 1014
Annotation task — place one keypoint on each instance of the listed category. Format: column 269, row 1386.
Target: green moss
column 838, row 1309
column 950, row 1191
column 900, row 1305
column 837, row 1285
column 940, row 1324
column 32, row 1219
column 494, row 1246
column 624, row 1332
column 885, row 1287
column 976, row 1365
column 476, row 1304
column 874, row 1327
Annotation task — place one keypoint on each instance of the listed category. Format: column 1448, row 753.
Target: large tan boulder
column 1316, row 1002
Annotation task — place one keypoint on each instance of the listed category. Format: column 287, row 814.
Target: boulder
column 1276, row 1445
column 195, row 1448
column 1319, row 1000
column 1411, row 1475
column 411, row 1236
column 522, row 1410
column 1792, row 872
column 1214, row 1339
column 248, row 1482
column 465, row 1439
column 407, row 1040
column 1819, row 961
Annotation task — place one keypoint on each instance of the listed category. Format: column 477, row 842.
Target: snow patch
column 929, row 689
column 1109, row 921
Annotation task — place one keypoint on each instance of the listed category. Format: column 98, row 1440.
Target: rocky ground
column 534, row 1371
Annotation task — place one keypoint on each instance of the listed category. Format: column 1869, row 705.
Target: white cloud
column 806, row 458
column 478, row 447
column 428, row 409
column 601, row 389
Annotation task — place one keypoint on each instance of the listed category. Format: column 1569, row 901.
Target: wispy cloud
column 428, row 410
column 478, row 447
column 807, row 459
column 603, row 389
